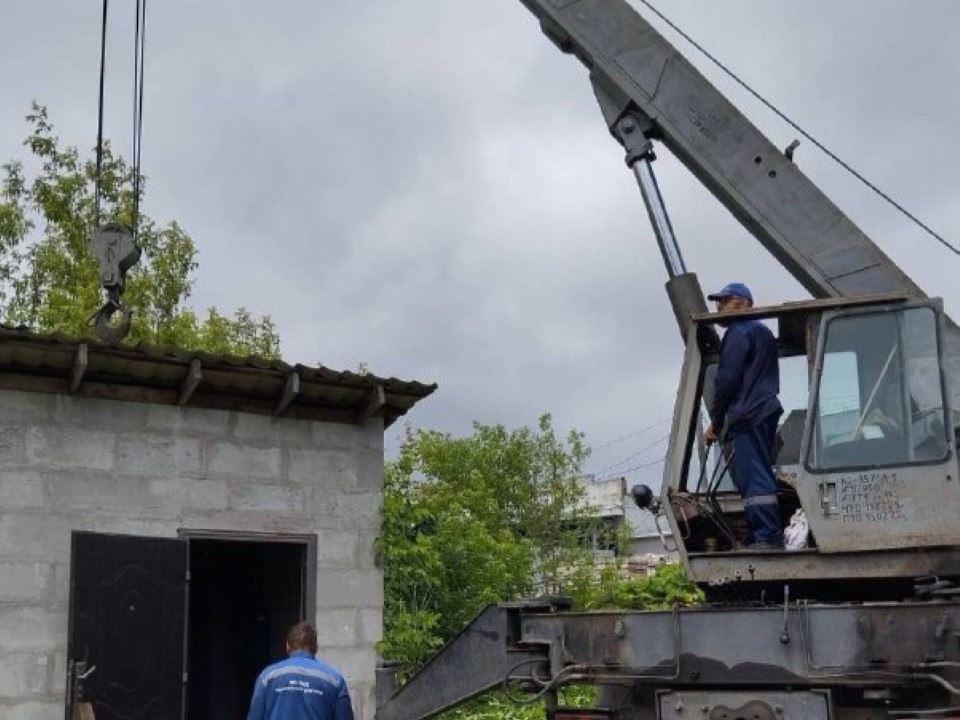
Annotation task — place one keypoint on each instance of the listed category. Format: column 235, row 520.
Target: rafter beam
column 190, row 382
column 79, row 367
column 290, row 391
column 375, row 404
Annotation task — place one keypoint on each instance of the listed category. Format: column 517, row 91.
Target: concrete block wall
column 106, row 466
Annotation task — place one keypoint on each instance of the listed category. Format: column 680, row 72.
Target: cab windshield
column 880, row 398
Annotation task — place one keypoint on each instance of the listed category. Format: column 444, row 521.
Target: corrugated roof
column 61, row 364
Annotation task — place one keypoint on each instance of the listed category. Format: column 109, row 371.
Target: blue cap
column 732, row 290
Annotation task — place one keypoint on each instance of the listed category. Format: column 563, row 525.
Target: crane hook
column 107, row 329
column 116, row 251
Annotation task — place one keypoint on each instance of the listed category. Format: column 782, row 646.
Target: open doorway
column 245, row 592
column 144, row 609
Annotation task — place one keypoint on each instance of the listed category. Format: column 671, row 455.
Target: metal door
column 126, row 626
column 880, row 468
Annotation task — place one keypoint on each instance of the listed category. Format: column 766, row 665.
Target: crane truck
column 862, row 623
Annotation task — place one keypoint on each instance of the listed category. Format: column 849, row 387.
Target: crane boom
column 817, row 243
column 636, row 68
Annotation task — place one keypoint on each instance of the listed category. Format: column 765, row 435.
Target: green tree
column 49, row 280
column 609, row 589
column 471, row 521
column 500, row 706
column 497, row 516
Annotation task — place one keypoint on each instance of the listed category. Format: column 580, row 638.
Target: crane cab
column 865, row 454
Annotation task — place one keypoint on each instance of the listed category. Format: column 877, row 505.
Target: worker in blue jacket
column 746, row 411
column 300, row 687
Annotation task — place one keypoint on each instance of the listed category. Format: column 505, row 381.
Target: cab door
column 880, row 470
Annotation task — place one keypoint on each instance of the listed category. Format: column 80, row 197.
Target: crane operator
column 746, row 408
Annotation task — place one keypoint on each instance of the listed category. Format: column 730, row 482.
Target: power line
column 829, row 153
column 658, row 461
column 649, row 463
column 634, row 455
column 631, row 435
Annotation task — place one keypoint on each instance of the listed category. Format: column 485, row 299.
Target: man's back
column 300, row 688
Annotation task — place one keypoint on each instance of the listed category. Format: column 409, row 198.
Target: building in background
column 615, row 506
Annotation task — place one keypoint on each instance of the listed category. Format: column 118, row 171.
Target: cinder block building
column 164, row 517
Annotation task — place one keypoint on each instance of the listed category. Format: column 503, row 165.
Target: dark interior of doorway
column 244, row 595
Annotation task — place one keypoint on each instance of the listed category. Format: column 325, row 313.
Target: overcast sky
column 427, row 186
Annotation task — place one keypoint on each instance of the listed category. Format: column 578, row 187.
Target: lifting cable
column 114, row 245
column 103, row 67
column 770, row 106
column 139, row 42
column 138, row 85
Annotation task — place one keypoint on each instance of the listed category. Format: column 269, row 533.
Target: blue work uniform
column 300, row 688
column 745, row 402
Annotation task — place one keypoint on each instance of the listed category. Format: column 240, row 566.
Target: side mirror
column 643, row 497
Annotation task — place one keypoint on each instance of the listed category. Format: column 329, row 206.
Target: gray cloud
column 427, row 186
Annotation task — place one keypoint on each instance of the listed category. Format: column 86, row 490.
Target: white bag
column 796, row 535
